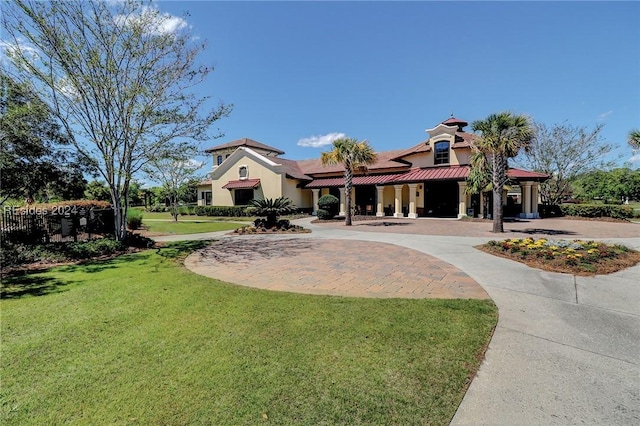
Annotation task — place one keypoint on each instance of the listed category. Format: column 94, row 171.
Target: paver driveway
column 334, row 267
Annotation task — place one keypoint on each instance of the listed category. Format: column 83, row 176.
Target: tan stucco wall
column 300, row 197
column 389, row 196
column 426, row 159
column 270, row 182
column 461, row 155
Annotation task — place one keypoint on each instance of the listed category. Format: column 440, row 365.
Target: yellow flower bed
column 576, row 256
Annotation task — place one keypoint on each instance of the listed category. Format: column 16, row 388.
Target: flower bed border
column 577, row 257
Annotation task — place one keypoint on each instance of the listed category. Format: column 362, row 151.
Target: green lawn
column 167, row 216
column 192, row 227
column 141, row 340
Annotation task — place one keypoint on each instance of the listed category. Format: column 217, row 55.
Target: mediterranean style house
column 426, row 180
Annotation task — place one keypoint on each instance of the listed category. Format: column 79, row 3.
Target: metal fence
column 32, row 226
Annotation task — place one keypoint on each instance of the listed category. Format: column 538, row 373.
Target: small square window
column 243, row 172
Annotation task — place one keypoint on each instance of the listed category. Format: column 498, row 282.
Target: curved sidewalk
column 566, row 349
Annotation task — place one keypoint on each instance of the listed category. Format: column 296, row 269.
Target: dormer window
column 219, row 159
column 441, row 150
column 243, row 172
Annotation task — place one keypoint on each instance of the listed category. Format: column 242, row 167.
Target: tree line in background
column 157, row 197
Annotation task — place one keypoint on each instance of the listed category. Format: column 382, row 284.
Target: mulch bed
column 603, row 267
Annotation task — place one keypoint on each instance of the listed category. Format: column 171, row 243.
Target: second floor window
column 441, row 153
column 219, row 159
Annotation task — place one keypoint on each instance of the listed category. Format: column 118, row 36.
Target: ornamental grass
column 576, row 257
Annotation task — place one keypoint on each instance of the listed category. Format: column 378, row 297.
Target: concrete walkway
column 566, row 349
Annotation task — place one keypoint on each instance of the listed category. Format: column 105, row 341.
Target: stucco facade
column 427, row 179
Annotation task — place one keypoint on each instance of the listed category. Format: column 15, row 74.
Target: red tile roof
column 245, row 142
column 242, row 184
column 525, row 174
column 291, row 168
column 421, row 147
column 385, row 161
column 467, row 138
column 451, row 121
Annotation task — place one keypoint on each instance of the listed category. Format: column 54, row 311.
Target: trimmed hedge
column 324, row 215
column 134, row 219
column 549, row 210
column 329, row 205
column 228, row 211
column 597, row 210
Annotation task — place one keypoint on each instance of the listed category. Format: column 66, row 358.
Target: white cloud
column 156, row 22
column 21, row 45
column 605, row 115
column 320, row 140
column 634, row 159
column 192, row 162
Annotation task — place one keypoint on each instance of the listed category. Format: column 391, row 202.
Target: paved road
column 566, row 349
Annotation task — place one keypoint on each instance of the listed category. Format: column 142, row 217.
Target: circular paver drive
column 333, row 267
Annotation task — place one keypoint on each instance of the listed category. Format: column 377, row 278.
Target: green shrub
column 551, row 210
column 158, row 208
column 20, row 254
column 224, row 211
column 597, row 210
column 329, row 204
column 134, row 219
column 184, row 210
column 271, row 208
column 324, row 215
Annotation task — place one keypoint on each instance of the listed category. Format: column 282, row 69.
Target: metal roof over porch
column 457, row 173
column 357, row 180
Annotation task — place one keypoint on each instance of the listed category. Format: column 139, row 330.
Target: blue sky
column 386, row 71
column 298, row 73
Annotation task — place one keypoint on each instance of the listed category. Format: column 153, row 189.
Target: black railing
column 71, row 223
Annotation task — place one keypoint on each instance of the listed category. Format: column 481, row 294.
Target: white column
column 462, row 199
column 316, row 196
column 412, row 200
column 534, row 200
column 380, row 206
column 342, row 202
column 398, row 212
column 526, row 199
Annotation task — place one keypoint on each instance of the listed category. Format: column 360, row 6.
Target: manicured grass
column 167, row 216
column 193, row 227
column 141, row 340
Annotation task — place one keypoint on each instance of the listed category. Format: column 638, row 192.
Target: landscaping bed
column 576, row 257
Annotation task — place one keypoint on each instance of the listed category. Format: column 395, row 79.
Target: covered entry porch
column 424, row 193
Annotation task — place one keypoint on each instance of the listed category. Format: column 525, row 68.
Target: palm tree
column 354, row 155
column 634, row 139
column 271, row 209
column 502, row 136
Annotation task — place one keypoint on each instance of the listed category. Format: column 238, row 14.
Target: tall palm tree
column 502, row 136
column 353, row 155
column 634, row 139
